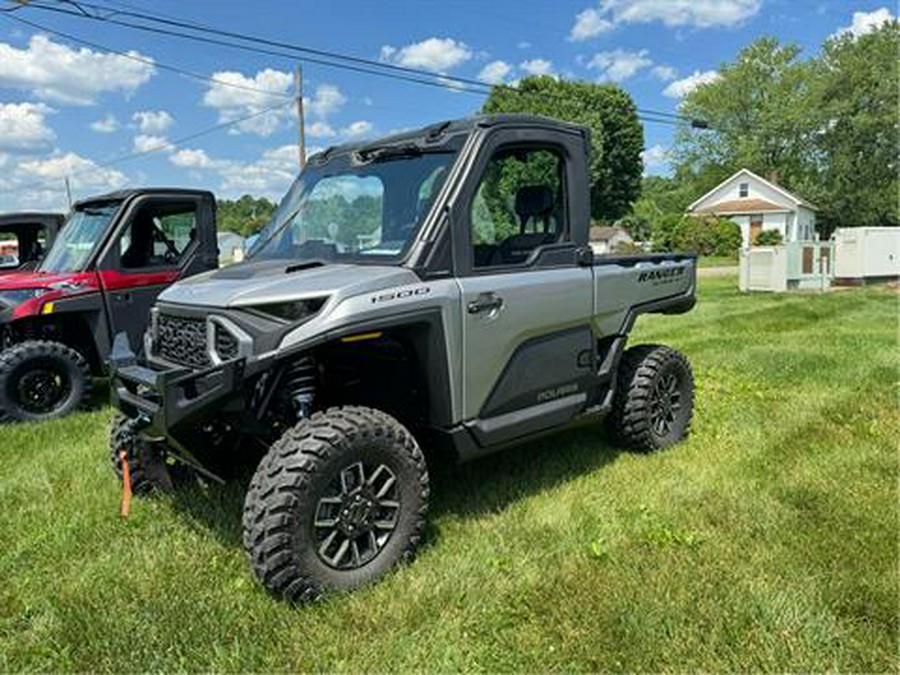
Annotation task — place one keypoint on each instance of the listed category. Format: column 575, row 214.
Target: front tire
column 146, row 461
column 654, row 399
column 41, row 380
column 338, row 501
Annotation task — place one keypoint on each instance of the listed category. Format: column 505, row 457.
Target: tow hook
column 126, row 486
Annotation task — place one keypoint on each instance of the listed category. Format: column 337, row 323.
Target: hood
column 18, row 280
column 258, row 283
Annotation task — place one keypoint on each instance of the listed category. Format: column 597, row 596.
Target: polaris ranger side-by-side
column 100, row 277
column 32, row 232
column 433, row 290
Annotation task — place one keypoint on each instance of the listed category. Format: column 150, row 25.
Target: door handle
column 485, row 302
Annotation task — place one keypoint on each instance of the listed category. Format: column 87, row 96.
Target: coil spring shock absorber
column 300, row 381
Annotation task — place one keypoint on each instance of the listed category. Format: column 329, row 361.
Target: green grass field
column 768, row 541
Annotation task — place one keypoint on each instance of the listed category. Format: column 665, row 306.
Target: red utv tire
column 41, row 380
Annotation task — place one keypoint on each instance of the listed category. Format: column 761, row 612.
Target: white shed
column 866, row 253
column 757, row 204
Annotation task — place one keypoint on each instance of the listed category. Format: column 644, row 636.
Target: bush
column 637, row 227
column 768, row 238
column 703, row 236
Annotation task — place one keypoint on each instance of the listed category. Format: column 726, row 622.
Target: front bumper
column 170, row 399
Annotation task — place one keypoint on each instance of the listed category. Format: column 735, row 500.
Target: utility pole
column 69, row 192
column 298, row 85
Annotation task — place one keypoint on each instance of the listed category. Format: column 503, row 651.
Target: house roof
column 742, row 206
column 606, row 232
column 799, row 201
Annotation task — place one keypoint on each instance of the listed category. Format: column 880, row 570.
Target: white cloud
column 438, row 54
column 358, row 128
column 619, row 64
column 495, row 72
column 694, row 13
column 327, row 100
column 524, row 44
column 153, row 122
column 589, row 23
column 664, row 73
column 59, row 73
column 686, row 85
column 193, row 159
column 39, row 183
column 537, row 67
column 656, row 157
column 320, row 129
column 107, row 125
column 151, row 143
column 270, row 175
column 234, row 103
column 865, row 22
column 23, row 127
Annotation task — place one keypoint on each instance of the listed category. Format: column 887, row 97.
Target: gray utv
column 434, row 291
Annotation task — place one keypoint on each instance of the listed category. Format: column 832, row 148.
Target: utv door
column 526, row 302
column 156, row 243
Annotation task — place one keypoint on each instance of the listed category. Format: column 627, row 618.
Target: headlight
column 17, row 297
column 291, row 310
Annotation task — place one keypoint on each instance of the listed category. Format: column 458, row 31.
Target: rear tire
column 654, row 399
column 336, row 503
column 41, row 380
column 146, row 461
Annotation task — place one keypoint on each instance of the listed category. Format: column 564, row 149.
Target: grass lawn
column 717, row 261
column 768, row 541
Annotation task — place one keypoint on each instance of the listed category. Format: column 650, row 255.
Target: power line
column 168, row 145
column 338, row 60
column 150, row 62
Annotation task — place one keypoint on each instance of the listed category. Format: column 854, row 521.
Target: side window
column 519, row 205
column 158, row 235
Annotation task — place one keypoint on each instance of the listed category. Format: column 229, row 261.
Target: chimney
column 773, row 176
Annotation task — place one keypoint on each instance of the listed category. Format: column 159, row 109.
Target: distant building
column 757, row 204
column 606, row 239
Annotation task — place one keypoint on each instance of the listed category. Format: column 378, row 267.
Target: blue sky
column 66, row 109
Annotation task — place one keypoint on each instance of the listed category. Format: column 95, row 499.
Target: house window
column 743, row 189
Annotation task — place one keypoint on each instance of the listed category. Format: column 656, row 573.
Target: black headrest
column 533, row 200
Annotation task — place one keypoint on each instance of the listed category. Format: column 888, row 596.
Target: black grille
column 182, row 340
column 226, row 344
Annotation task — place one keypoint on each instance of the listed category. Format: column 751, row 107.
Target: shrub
column 637, row 227
column 700, row 235
column 768, row 238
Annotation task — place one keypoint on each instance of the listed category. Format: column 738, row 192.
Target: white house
column 757, row 204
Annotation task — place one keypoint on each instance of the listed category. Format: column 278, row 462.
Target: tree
column 617, row 137
column 245, row 216
column 760, row 114
column 858, row 102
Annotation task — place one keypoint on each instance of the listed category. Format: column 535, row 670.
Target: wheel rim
column 42, row 389
column 356, row 517
column 666, row 404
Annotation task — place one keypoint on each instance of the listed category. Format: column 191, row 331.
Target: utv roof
column 434, row 132
column 122, row 195
column 31, row 218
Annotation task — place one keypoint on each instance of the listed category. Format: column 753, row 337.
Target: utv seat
column 534, row 204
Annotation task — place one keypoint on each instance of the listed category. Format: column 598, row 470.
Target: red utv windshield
column 80, row 236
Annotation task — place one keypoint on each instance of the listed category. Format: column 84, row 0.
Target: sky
column 106, row 121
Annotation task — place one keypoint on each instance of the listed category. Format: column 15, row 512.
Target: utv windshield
column 356, row 209
column 83, row 230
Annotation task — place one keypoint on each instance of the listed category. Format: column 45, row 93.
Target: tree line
column 826, row 127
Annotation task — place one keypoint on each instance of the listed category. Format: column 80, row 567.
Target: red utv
column 100, row 277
